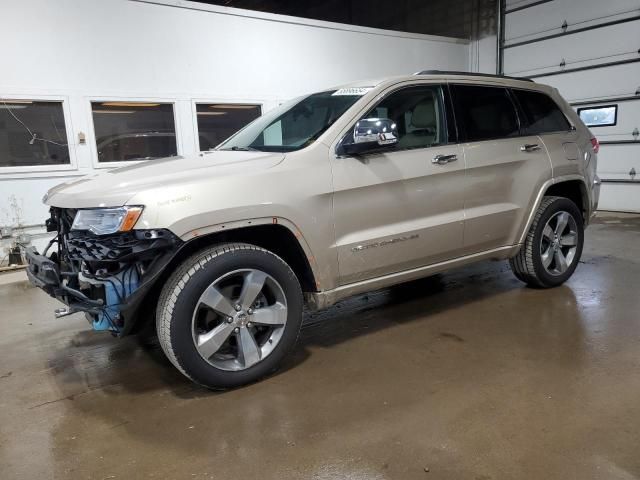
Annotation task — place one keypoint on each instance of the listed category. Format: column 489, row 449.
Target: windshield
column 295, row 124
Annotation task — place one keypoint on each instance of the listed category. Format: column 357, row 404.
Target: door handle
column 529, row 147
column 444, row 159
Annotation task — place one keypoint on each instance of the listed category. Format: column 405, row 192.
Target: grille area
column 120, row 247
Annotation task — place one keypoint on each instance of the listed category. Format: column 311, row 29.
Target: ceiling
column 452, row 18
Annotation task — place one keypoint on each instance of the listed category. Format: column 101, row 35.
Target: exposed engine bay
column 105, row 276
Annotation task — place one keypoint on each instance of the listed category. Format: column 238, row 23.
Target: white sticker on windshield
column 359, row 91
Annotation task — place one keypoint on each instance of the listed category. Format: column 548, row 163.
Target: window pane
column 605, row 116
column 485, row 113
column 32, row 133
column 133, row 130
column 541, row 112
column 217, row 121
column 418, row 114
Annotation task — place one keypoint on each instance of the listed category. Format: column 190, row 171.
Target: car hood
column 115, row 187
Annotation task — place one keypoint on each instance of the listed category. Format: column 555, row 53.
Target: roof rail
column 471, row 74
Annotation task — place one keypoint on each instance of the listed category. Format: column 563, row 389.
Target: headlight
column 103, row 221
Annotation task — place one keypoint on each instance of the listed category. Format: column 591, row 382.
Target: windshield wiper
column 235, row 148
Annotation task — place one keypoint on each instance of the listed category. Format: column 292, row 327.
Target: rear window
column 541, row 113
column 485, row 113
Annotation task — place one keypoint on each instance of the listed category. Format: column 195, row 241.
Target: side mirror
column 371, row 134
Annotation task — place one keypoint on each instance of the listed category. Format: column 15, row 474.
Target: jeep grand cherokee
column 331, row 194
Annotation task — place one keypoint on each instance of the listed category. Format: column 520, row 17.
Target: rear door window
column 541, row 113
column 484, row 113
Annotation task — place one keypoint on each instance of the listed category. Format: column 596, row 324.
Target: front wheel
column 553, row 246
column 229, row 315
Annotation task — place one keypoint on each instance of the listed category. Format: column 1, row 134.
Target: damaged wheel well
column 275, row 238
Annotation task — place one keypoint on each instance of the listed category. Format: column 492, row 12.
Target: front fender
column 320, row 274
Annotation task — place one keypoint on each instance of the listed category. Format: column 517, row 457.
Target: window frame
column 522, row 113
column 69, row 131
column 91, row 135
column 449, row 118
column 615, row 117
column 462, row 131
column 228, row 101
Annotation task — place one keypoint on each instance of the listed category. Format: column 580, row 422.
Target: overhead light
column 233, row 106
column 212, row 113
column 129, row 104
column 113, row 111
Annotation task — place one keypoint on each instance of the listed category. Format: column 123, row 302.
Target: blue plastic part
column 116, row 289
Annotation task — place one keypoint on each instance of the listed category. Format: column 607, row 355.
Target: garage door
column 590, row 51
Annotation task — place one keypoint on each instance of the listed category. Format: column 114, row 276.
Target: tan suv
column 331, row 194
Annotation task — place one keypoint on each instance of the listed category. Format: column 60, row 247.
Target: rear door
column 505, row 166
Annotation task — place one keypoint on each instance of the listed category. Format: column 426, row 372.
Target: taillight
column 596, row 145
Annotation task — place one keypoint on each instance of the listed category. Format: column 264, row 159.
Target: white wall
column 483, row 55
column 178, row 51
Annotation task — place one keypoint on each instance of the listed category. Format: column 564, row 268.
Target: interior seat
column 424, row 127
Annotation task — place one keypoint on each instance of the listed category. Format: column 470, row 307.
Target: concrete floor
column 468, row 375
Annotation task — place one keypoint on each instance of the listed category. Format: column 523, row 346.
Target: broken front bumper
column 44, row 273
column 107, row 276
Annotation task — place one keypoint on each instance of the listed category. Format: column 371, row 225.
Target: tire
column 210, row 328
column 539, row 262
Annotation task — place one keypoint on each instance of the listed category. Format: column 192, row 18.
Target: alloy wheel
column 239, row 319
column 559, row 243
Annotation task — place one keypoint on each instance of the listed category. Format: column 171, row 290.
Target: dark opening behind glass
column 218, row 121
column 133, row 130
column 485, row 113
column 32, row 133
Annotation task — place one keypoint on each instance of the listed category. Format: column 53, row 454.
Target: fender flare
column 252, row 222
column 543, row 189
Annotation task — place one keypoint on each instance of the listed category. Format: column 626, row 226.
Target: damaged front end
column 105, row 275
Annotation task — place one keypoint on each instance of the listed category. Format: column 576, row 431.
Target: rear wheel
column 229, row 315
column 553, row 246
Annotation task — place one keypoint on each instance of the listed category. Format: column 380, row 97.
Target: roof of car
column 449, row 75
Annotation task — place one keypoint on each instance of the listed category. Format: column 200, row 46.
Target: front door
column 401, row 209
